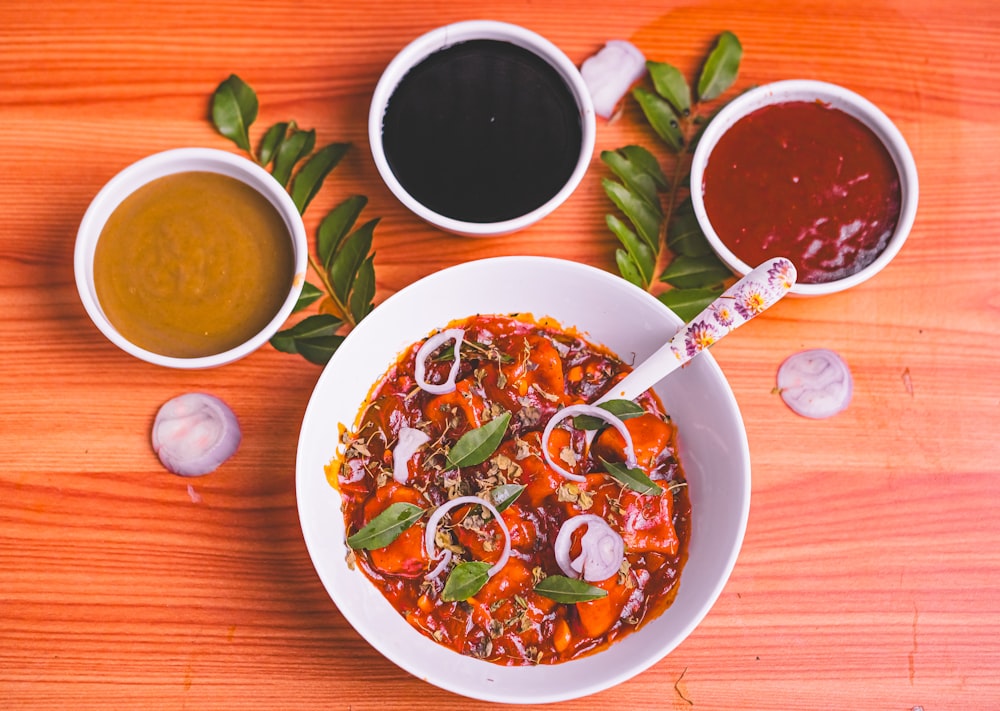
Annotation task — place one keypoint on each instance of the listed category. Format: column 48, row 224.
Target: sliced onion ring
column 593, row 411
column 815, row 383
column 435, row 518
column 603, row 549
column 610, row 73
column 425, row 352
column 194, row 433
column 408, row 441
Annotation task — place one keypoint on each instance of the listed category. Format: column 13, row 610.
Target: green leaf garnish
column 271, row 140
column 335, row 226
column 290, row 151
column 686, row 272
column 622, row 409
column 661, row 117
column 659, row 219
column 465, row 580
column 721, row 68
column 311, row 175
column 350, row 285
column 632, row 477
column 234, row 109
column 504, row 495
column 568, row 590
column 688, row 303
column 671, row 85
column 476, row 446
column 386, row 527
column 348, row 259
column 309, row 294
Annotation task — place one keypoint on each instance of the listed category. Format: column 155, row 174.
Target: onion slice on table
column 815, row 383
column 610, row 73
column 435, row 519
column 593, row 411
column 427, row 349
column 408, row 441
column 194, row 433
column 603, row 549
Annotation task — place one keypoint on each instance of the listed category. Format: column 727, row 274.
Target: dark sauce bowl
column 481, row 128
column 798, row 206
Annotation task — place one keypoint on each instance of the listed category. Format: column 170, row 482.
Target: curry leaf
column 638, row 175
column 386, row 527
column 568, row 590
column 309, row 294
column 363, row 290
column 291, row 151
column 640, row 253
column 271, row 140
column 476, row 446
column 688, row 303
column 632, row 477
column 336, row 225
column 686, row 272
column 349, row 258
column 234, row 108
column 629, row 269
column 310, row 177
column 661, row 117
column 504, row 495
column 721, row 67
column 642, row 214
column 318, row 350
column 671, row 85
column 622, row 409
column 465, row 580
column 684, row 235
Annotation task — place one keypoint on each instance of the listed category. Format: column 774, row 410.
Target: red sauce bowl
column 809, row 171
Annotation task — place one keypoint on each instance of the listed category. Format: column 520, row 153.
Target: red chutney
column 804, row 181
column 530, row 370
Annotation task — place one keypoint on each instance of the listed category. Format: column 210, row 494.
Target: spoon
column 750, row 296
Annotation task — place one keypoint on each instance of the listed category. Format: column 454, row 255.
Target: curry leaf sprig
column 343, row 259
column 661, row 240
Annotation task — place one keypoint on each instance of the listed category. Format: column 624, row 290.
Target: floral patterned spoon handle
column 760, row 289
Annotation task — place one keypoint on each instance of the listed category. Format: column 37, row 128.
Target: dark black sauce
column 482, row 131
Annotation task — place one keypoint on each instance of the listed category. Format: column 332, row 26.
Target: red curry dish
column 500, row 514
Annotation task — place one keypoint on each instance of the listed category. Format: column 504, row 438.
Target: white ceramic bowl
column 609, row 311
column 449, row 35
column 183, row 160
column 839, row 98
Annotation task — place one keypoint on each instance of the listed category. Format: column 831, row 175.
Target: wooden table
column 870, row 573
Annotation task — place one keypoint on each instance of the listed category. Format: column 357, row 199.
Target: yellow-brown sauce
column 193, row 264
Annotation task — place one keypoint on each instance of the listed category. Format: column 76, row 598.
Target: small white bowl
column 608, row 311
column 836, row 97
column 182, row 160
column 447, row 36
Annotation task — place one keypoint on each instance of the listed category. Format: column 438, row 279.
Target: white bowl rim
column 360, row 616
column 168, row 162
column 838, row 97
column 446, row 36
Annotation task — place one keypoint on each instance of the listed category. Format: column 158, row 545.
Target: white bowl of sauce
column 481, row 128
column 809, row 171
column 190, row 258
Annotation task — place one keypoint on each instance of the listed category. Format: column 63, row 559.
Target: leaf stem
column 345, row 313
column 688, row 125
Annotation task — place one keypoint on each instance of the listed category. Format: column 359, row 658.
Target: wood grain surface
column 870, row 573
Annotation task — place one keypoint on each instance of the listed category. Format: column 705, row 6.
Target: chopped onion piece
column 610, row 73
column 435, row 518
column 593, row 411
column 194, row 433
column 408, row 441
column 427, row 349
column 603, row 549
column 816, row 383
